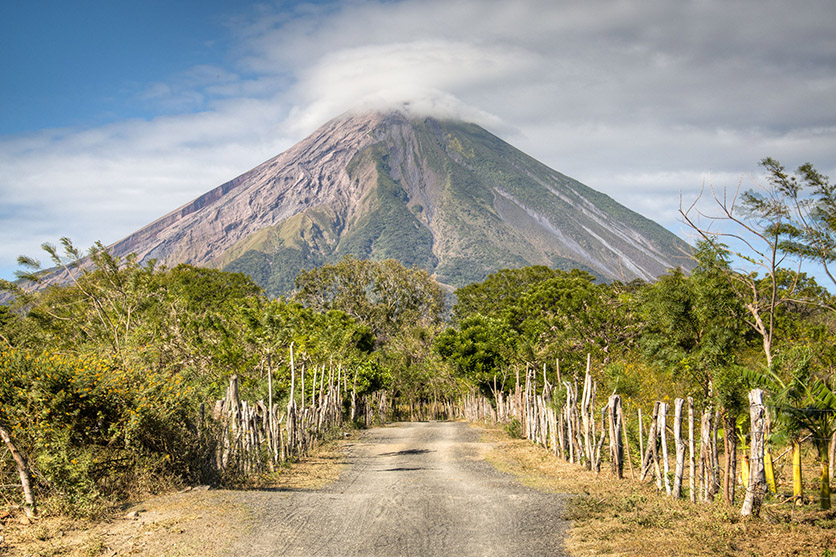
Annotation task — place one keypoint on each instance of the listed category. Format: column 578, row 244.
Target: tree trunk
column 756, row 488
column 825, row 485
column 797, row 486
column 23, row 471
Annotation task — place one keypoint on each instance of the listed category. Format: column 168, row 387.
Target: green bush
column 94, row 430
column 514, row 429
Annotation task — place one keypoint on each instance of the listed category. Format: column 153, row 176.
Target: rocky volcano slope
column 444, row 195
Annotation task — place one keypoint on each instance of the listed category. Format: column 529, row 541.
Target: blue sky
column 115, row 113
column 88, row 63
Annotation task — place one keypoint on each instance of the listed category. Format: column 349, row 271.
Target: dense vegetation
column 101, row 380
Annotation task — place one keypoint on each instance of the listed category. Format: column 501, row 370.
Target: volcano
column 444, row 195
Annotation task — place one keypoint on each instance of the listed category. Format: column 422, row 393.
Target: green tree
column 479, row 348
column 694, row 327
column 760, row 226
column 544, row 315
column 99, row 307
column 418, row 372
column 809, row 200
column 331, row 339
column 195, row 322
column 499, row 290
column 694, row 322
column 384, row 295
column 93, row 428
column 571, row 315
column 184, row 319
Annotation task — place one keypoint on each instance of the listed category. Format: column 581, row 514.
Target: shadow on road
column 408, row 452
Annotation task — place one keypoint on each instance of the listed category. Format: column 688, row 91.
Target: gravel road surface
column 410, row 489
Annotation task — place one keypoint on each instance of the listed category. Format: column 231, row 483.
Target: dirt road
column 410, row 489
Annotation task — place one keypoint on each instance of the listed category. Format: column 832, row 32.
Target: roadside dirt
column 419, row 488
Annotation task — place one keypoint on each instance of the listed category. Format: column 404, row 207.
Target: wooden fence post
column 524, row 404
column 680, row 447
column 292, row 374
column 302, row 378
column 730, row 449
column 653, row 441
column 616, row 442
column 756, row 489
column 831, row 454
column 587, row 415
column 23, row 471
column 596, row 464
column 692, row 484
column 651, row 455
column 561, row 435
column 715, row 459
column 705, row 456
column 274, row 453
column 570, row 424
column 663, row 439
column 626, row 440
column 641, row 445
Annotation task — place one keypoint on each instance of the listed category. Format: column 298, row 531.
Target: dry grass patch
column 624, row 517
column 320, row 468
column 193, row 522
column 186, row 523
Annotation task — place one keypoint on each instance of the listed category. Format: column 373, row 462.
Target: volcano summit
column 444, row 195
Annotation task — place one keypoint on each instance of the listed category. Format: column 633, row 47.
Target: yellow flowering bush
column 92, row 428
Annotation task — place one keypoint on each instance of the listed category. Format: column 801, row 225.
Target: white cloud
column 105, row 183
column 639, row 99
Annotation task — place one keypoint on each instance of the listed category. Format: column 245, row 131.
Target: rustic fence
column 254, row 438
column 247, row 438
column 570, row 429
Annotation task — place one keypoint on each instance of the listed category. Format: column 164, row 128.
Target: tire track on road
column 417, row 488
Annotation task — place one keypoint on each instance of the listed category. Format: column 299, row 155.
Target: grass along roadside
column 197, row 521
column 626, row 517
